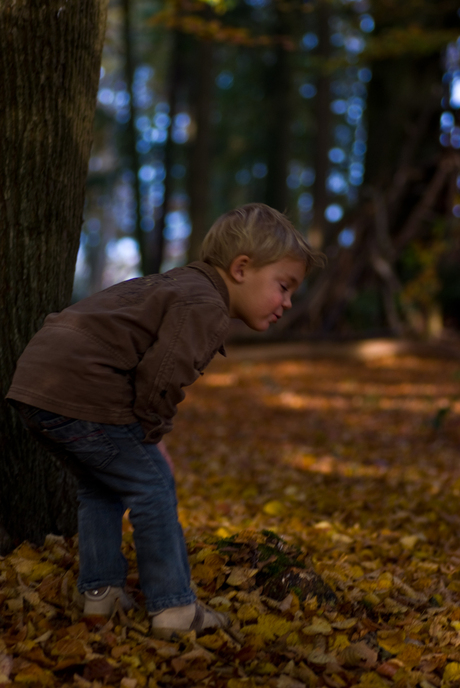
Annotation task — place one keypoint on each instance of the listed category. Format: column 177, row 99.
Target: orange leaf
column 69, row 647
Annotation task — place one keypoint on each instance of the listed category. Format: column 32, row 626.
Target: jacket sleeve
column 187, row 341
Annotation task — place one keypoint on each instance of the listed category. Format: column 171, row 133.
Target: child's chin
column 258, row 326
column 261, row 327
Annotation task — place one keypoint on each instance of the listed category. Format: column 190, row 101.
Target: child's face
column 263, row 294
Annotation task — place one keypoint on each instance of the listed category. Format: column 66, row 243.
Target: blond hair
column 259, row 232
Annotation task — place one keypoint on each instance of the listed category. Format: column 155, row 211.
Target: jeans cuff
column 168, row 602
column 102, row 583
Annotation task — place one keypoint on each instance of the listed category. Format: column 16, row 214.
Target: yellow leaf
column 392, row 641
column 250, row 492
column 372, row 599
column 384, row 582
column 33, row 569
column 223, row 532
column 35, row 674
column 268, row 627
column 25, row 551
column 23, row 566
column 318, row 626
column 394, row 607
column 220, row 604
column 136, row 675
column 409, row 541
column 339, row 642
column 212, row 642
column 203, row 553
column 274, row 508
column 42, row 570
column 266, row 668
column 203, row 573
column 372, row 680
column 367, row 585
column 410, row 656
column 338, row 681
column 241, row 575
column 247, row 612
column 451, row 673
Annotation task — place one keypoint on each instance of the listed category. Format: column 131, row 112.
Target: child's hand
column 162, row 447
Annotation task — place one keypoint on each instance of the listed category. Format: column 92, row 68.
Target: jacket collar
column 212, row 274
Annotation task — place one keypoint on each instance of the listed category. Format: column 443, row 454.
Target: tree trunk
column 278, row 111
column 175, row 79
column 200, row 159
column 316, row 233
column 134, row 159
column 50, row 55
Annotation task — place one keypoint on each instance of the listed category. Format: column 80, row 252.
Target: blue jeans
column 117, row 471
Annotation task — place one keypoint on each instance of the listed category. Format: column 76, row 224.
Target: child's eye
column 284, row 288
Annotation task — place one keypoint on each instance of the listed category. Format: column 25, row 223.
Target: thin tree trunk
column 200, row 160
column 132, row 136
column 278, row 112
column 50, row 56
column 174, row 83
column 316, row 234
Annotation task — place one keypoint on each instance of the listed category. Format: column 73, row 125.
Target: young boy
column 99, row 384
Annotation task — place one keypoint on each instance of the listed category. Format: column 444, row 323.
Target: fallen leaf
column 274, row 508
column 240, row 575
column 35, row 674
column 392, row 641
column 319, row 626
column 358, row 654
column 268, row 626
column 451, row 674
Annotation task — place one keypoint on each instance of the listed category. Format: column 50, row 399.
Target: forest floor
column 320, row 503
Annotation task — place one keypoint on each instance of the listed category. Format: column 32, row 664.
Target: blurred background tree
column 344, row 113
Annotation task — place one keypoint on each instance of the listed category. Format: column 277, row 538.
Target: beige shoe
column 170, row 623
column 102, row 601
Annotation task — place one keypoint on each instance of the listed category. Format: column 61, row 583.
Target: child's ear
column 238, row 268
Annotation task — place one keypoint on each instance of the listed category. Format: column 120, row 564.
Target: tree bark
column 278, row 112
column 174, row 83
column 50, row 53
column 134, row 158
column 200, row 158
column 317, row 231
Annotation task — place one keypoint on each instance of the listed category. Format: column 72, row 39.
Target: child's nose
column 287, row 303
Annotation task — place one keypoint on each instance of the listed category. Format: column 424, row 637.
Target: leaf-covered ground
column 320, row 502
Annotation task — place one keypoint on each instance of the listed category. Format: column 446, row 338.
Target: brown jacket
column 124, row 354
